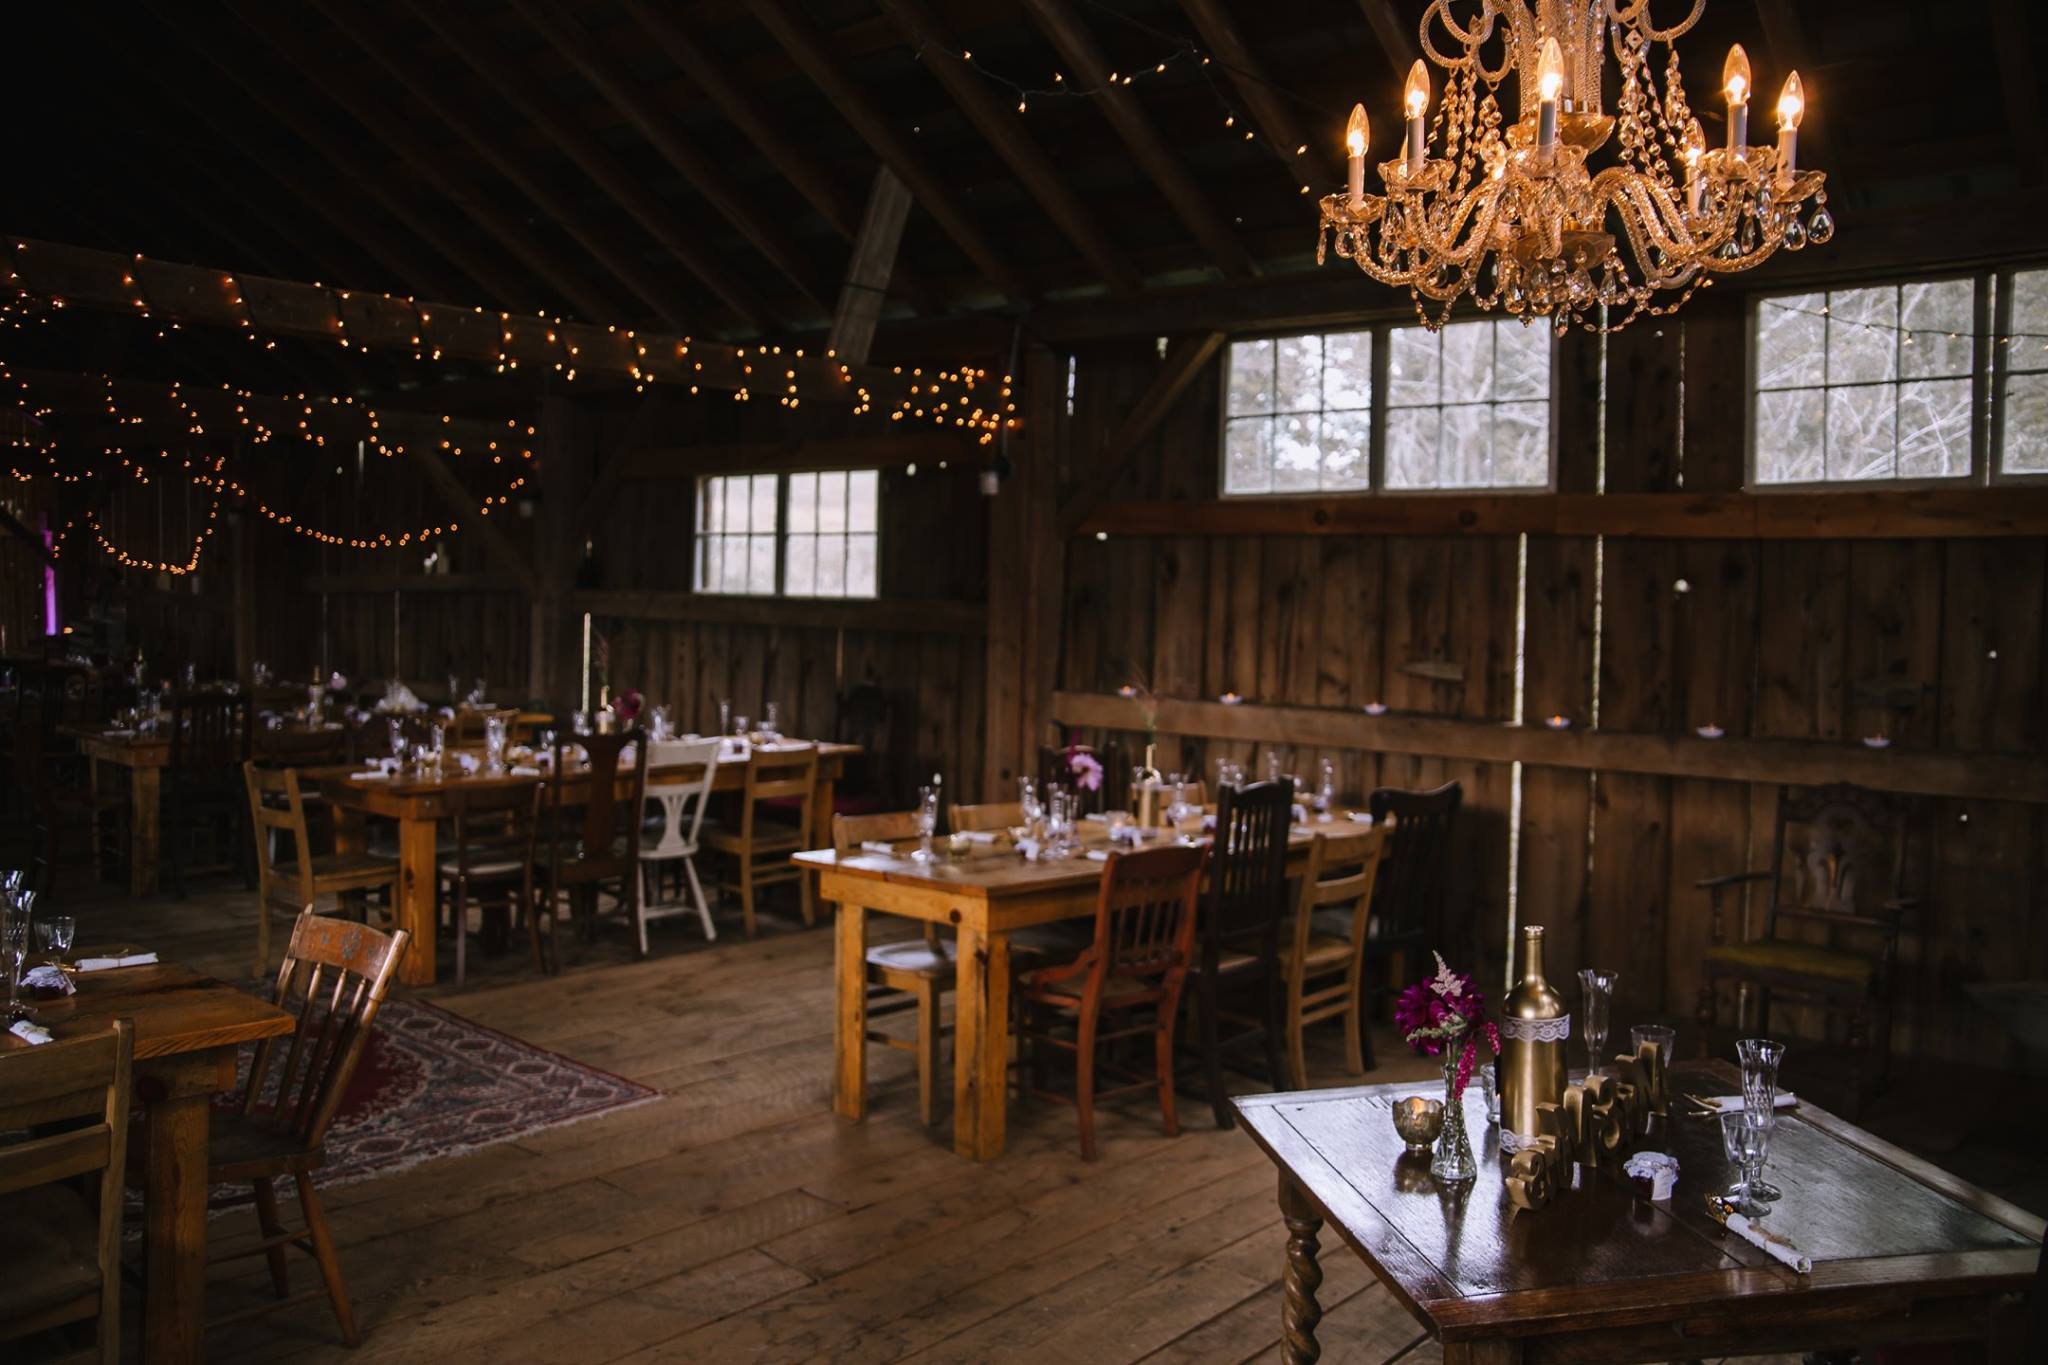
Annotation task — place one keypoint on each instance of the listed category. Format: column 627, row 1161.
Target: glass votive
column 1663, row 1035
column 1486, row 1076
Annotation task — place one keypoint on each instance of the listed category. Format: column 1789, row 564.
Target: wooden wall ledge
column 342, row 584
column 1797, row 761
column 2010, row 510
column 931, row 617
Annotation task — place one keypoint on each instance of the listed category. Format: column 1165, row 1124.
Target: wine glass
column 1272, row 765
column 54, row 935
column 1326, row 788
column 13, row 952
column 1027, row 800
column 724, row 716
column 1598, row 994
column 1760, row 1059
column 1179, row 808
column 1745, row 1142
column 771, row 720
column 741, row 726
column 1229, row 774
column 927, row 823
column 397, row 727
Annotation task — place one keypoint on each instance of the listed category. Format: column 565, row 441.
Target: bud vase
column 1453, row 1162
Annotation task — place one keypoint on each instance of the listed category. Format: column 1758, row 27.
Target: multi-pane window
column 796, row 535
column 1395, row 408
column 2022, row 371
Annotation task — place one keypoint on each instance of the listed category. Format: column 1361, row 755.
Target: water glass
column 1760, row 1059
column 1745, row 1142
column 771, row 720
column 927, row 821
column 1598, row 994
column 1663, row 1035
column 1027, row 799
column 54, row 934
column 494, row 743
column 1326, row 788
column 658, row 725
column 1229, row 774
column 1272, row 765
column 724, row 716
column 13, row 952
column 741, row 726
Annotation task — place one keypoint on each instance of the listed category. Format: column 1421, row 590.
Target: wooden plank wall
column 1935, row 643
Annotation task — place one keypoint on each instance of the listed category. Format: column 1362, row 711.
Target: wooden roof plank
column 1305, row 159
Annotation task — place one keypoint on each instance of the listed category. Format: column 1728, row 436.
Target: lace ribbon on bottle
column 1537, row 1030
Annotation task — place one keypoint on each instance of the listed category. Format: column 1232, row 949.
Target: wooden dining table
column 985, row 897
column 1902, row 1251
column 187, row 1030
column 418, row 803
column 144, row 757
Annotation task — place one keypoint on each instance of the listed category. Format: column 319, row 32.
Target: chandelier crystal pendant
column 1512, row 215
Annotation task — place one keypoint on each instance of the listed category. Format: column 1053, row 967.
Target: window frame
column 782, row 534
column 1991, row 318
column 1376, row 448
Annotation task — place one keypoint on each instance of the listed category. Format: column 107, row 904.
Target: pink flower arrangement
column 1446, row 1011
column 1086, row 768
column 627, row 705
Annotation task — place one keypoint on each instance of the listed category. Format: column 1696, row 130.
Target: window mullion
column 1989, row 366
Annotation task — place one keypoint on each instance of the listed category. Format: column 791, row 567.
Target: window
column 2022, row 369
column 1399, row 408
column 794, row 535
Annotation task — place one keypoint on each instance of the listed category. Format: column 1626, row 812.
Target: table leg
column 850, row 1018
column 1299, row 1311
column 143, row 785
column 1487, row 1351
column 821, row 811
column 174, row 1315
column 415, row 909
column 981, row 1043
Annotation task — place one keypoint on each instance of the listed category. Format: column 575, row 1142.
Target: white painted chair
column 682, row 799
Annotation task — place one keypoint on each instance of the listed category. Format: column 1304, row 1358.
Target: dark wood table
column 187, row 1030
column 1902, row 1251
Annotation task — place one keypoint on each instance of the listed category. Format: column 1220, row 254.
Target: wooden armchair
column 760, row 848
column 1831, row 922
column 292, row 881
column 60, row 1260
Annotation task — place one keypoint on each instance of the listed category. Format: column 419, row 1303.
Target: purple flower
column 627, row 704
column 1086, row 768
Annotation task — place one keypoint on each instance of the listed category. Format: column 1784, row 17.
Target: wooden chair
column 1325, row 972
column 210, row 738
column 1832, row 918
column 70, row 822
column 597, row 850
column 760, row 848
column 494, row 830
column 1240, row 939
column 334, row 978
column 1408, row 906
column 682, row 798
column 60, row 1257
column 1139, row 958
column 294, row 746
column 913, row 974
column 293, row 884
column 993, row 815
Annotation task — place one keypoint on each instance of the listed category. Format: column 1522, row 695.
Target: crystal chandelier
column 1514, row 217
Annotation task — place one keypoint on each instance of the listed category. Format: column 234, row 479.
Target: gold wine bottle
column 1533, row 1033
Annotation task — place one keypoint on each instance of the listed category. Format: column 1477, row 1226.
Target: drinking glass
column 494, row 743
column 1598, row 993
column 1326, row 788
column 1228, row 774
column 771, row 720
column 1027, row 799
column 13, row 952
column 54, row 934
column 1272, row 765
column 397, row 726
column 658, row 725
column 927, row 823
column 1179, row 808
column 724, row 716
column 1760, row 1059
column 1663, row 1035
column 741, row 726
column 1745, row 1143
column 579, row 723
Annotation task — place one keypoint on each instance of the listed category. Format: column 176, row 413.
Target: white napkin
column 1029, row 848
column 31, row 1033
column 881, row 846
column 1732, row 1104
column 525, row 770
column 1098, row 855
column 118, row 734
column 1097, row 816
column 1360, row 817
column 101, row 964
column 370, row 776
column 1773, row 1245
column 979, row 836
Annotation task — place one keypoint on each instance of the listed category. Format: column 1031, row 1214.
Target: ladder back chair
column 1408, row 907
column 60, row 1260
column 990, row 816
column 334, row 979
column 292, row 884
column 760, row 848
column 911, row 974
column 210, row 738
column 1240, row 938
column 682, row 798
column 1137, row 962
column 595, row 848
column 494, row 831
column 1326, row 972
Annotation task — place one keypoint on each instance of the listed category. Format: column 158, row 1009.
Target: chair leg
column 262, row 937
column 697, row 897
column 1361, row 1021
column 459, row 925
column 1084, row 1080
column 1354, row 1029
column 1168, row 1009
column 1297, row 1058
column 323, row 1252
column 1275, row 1040
column 805, row 898
column 640, row 908
column 1212, row 1052
column 928, row 1053
column 266, row 1219
column 747, row 893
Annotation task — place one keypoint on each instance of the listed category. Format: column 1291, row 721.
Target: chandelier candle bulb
column 1356, row 133
column 1415, row 99
column 1549, row 82
column 1791, row 108
column 1735, row 81
column 1695, row 183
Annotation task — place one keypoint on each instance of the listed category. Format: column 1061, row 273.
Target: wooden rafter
column 1185, row 360
column 447, row 172
column 867, row 273
column 470, row 42
column 1069, row 34
column 462, row 505
column 617, row 84
column 1305, row 158
column 810, row 49
column 1399, row 39
column 1004, row 130
column 601, row 238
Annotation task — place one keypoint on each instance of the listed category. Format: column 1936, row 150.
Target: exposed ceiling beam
column 1398, row 39
column 867, row 273
column 2019, row 84
column 809, row 49
column 1077, row 48
column 462, row 505
column 1306, row 159
column 1004, row 129
column 615, row 81
column 447, row 173
column 623, row 258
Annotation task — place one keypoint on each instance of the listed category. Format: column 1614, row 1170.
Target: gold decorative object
column 1516, row 216
column 1533, row 1030
column 1595, row 1124
column 1148, row 794
column 1418, row 1121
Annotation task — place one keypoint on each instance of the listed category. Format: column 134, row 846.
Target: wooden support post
column 1026, row 575
column 244, row 542
column 867, row 273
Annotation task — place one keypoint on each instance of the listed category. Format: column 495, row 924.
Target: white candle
column 1695, row 182
column 1356, row 133
column 1549, row 83
column 1791, row 108
column 1735, row 82
column 1415, row 100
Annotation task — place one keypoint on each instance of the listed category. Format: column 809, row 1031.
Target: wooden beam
column 934, row 617
column 1185, row 359
column 2019, row 84
column 469, row 41
column 1070, row 35
column 1880, row 514
column 867, row 273
column 602, row 239
column 1397, row 39
column 617, row 84
column 448, row 173
column 842, row 452
column 1004, row 129
column 462, row 505
column 1798, row 762
column 1307, row 158
column 376, row 584
column 810, row 49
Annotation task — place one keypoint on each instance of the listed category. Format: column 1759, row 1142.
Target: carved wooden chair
column 1325, row 972
column 60, row 1260
column 290, row 877
column 911, row 974
column 1833, row 912
column 759, row 848
column 1408, row 906
column 1137, row 963
column 334, row 978
column 210, row 737
column 1239, row 953
column 494, row 831
column 593, row 841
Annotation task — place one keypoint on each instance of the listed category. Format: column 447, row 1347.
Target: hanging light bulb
column 1736, row 83
column 1357, row 133
column 1415, row 102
